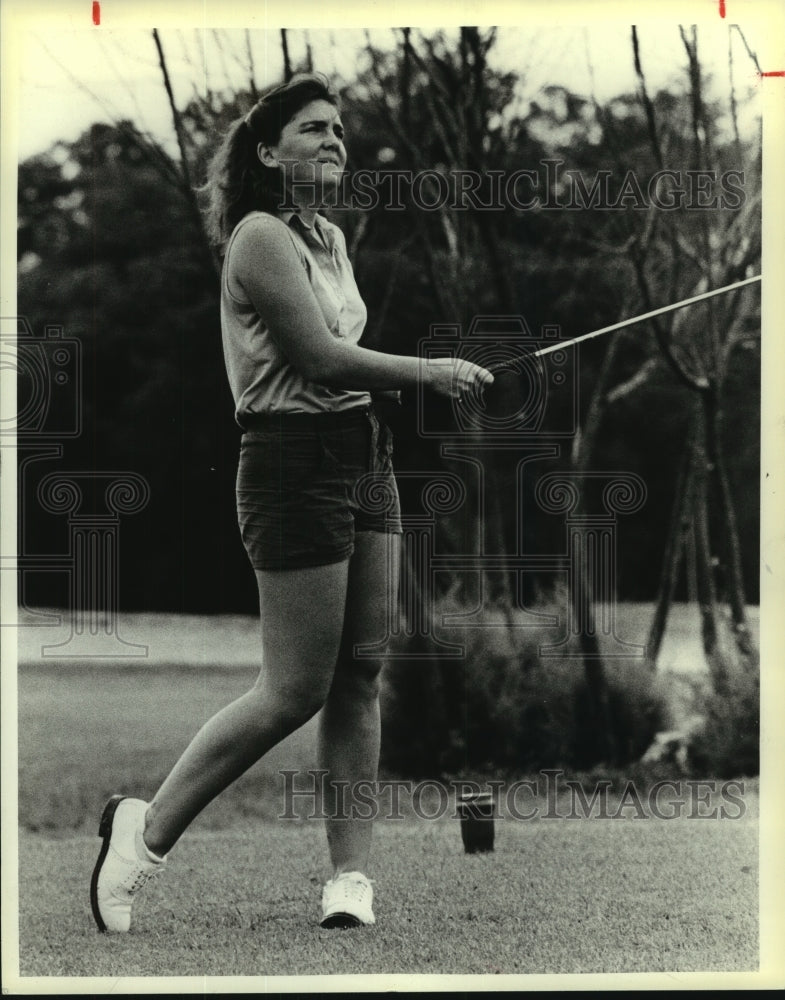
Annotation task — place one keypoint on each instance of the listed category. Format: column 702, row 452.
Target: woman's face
column 310, row 149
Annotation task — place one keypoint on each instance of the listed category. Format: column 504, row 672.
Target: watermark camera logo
column 48, row 382
column 531, row 412
column 527, row 385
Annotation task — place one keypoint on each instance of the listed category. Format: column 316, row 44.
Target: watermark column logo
column 93, row 557
column 591, row 542
column 49, row 413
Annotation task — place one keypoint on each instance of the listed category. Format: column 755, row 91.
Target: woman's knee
column 358, row 678
column 294, row 699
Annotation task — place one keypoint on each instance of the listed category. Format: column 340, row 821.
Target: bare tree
column 698, row 347
column 185, row 181
column 727, row 252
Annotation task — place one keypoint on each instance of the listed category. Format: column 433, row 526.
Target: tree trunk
column 287, row 65
column 707, row 593
column 599, row 707
column 186, row 187
column 730, row 531
column 674, row 550
column 593, row 662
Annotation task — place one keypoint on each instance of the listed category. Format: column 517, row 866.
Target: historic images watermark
column 548, row 796
column 549, row 186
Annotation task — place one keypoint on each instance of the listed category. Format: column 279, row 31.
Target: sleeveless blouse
column 261, row 379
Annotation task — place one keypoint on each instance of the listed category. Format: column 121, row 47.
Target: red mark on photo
column 774, row 72
column 722, row 8
column 96, row 12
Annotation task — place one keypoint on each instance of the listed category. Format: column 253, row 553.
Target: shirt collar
column 318, row 228
column 288, row 214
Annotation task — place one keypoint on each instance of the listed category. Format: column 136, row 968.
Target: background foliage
column 111, row 247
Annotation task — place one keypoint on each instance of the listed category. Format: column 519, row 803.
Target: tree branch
column 287, row 65
column 154, row 154
column 694, row 382
column 251, row 68
column 178, row 129
column 648, row 106
column 750, row 53
column 631, row 384
column 185, row 183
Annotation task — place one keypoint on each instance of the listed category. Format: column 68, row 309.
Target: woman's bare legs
column 349, row 731
column 302, row 615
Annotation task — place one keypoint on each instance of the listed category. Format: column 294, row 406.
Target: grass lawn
column 87, row 732
column 90, row 729
column 241, row 897
column 205, row 640
column 557, row 896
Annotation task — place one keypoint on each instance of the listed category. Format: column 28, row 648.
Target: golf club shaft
column 561, row 345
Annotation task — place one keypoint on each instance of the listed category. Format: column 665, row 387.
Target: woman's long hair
column 237, row 181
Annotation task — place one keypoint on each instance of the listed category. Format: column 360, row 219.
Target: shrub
column 505, row 706
column 727, row 744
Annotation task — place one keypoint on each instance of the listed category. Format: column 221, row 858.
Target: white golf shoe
column 347, row 901
column 124, row 864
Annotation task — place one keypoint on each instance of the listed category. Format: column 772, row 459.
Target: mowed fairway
column 241, row 895
column 88, row 731
column 555, row 897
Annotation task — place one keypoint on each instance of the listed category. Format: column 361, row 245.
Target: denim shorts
column 307, row 482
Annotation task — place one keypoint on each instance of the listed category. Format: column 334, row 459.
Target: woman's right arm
column 267, row 267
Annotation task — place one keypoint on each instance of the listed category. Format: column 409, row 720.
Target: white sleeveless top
column 260, row 377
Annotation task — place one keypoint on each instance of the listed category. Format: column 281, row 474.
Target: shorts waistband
column 304, row 421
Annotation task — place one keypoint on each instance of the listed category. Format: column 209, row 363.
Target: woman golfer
column 326, row 563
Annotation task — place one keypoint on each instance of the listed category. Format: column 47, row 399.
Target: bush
column 505, row 706
column 727, row 744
